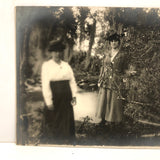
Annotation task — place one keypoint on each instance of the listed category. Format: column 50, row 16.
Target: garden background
column 83, row 30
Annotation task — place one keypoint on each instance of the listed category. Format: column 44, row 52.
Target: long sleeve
column 47, row 94
column 73, row 83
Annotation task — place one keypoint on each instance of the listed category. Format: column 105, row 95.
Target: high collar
column 53, row 61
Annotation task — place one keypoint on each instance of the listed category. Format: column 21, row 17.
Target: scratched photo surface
column 88, row 76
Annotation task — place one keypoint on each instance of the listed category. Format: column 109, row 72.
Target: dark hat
column 110, row 36
column 56, row 45
column 115, row 37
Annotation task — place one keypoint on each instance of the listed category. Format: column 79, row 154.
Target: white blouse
column 51, row 71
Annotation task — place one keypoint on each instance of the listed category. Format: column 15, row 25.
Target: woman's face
column 56, row 55
column 114, row 44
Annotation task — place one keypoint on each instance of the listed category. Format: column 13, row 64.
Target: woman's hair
column 56, row 45
column 113, row 36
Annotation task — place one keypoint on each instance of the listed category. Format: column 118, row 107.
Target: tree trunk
column 91, row 42
column 22, row 123
column 66, row 53
column 23, row 50
column 81, row 34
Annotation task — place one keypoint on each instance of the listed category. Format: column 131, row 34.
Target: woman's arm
column 73, row 85
column 100, row 76
column 46, row 91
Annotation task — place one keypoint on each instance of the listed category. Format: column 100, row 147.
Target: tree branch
column 135, row 102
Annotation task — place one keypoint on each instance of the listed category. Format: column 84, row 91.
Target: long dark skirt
column 59, row 124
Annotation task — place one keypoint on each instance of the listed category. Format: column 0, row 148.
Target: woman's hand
column 51, row 107
column 74, row 101
column 131, row 71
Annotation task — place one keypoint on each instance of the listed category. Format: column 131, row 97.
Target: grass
column 131, row 133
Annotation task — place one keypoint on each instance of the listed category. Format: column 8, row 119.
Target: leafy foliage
column 36, row 26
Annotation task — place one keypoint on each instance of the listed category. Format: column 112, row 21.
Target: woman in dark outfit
column 58, row 87
column 111, row 86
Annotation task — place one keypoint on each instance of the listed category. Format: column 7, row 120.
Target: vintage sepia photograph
column 87, row 76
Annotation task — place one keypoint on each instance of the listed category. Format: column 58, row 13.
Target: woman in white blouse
column 58, row 88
